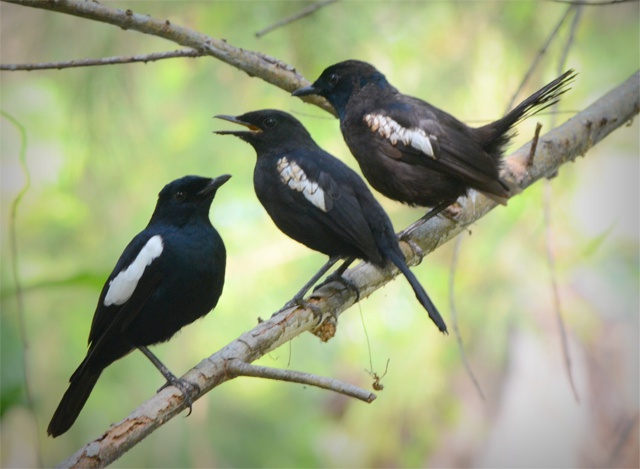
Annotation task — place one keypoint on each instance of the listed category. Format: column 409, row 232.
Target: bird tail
column 497, row 134
column 74, row 399
column 421, row 294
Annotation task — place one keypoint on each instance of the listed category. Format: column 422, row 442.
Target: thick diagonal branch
column 268, row 68
column 563, row 144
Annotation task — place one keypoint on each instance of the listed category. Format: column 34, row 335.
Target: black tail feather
column 421, row 294
column 497, row 134
column 74, row 399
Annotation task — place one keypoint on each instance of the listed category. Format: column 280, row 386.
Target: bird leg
column 187, row 389
column 436, row 210
column 337, row 277
column 323, row 270
column 298, row 300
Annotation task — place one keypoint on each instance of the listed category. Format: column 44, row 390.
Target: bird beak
column 306, row 91
column 215, row 184
column 252, row 128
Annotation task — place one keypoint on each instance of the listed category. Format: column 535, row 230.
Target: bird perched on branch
column 317, row 200
column 412, row 151
column 169, row 275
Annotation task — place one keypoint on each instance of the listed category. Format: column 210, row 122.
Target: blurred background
column 102, row 141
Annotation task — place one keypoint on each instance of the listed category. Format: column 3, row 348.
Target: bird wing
column 347, row 215
column 417, row 133
column 331, row 187
column 134, row 279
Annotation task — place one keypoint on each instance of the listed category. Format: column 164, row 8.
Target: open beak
column 306, row 91
column 252, row 128
column 215, row 184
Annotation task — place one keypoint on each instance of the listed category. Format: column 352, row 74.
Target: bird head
column 340, row 81
column 268, row 129
column 187, row 198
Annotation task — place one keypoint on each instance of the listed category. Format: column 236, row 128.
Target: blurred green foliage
column 104, row 140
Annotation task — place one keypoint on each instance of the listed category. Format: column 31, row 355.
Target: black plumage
column 412, row 151
column 169, row 275
column 317, row 200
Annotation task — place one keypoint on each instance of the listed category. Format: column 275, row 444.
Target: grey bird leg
column 186, row 388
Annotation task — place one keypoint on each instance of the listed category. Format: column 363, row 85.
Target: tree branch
column 593, row 3
column 104, row 61
column 255, row 64
column 295, row 17
column 563, row 144
column 237, row 368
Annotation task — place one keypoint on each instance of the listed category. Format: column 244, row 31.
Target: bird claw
column 302, row 303
column 188, row 390
column 417, row 250
column 336, row 277
column 453, row 211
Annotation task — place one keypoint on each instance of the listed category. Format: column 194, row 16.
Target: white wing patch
column 293, row 176
column 394, row 132
column 123, row 285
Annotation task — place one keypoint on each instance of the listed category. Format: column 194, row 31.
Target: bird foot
column 417, row 250
column 337, row 277
column 189, row 390
column 452, row 212
column 302, row 303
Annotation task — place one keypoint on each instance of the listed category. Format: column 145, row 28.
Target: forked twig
column 236, row 367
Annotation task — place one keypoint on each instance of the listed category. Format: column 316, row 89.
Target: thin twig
column 557, row 305
column 538, row 57
column 574, row 138
column 534, row 144
column 236, row 367
column 593, row 4
column 296, row 16
column 454, row 317
column 104, row 61
column 546, row 205
column 255, row 64
column 631, row 423
column 13, row 238
column 567, row 47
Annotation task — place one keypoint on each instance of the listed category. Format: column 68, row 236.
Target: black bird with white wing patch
column 412, row 151
column 317, row 200
column 169, row 275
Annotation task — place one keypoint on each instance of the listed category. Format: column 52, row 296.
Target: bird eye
column 180, row 196
column 270, row 122
column 333, row 79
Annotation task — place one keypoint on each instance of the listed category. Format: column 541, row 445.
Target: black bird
column 317, row 200
column 169, row 275
column 412, row 151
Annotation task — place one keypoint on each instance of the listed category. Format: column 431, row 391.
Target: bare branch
column 563, row 144
column 454, row 319
column 534, row 144
column 295, row 17
column 557, row 305
column 19, row 291
column 593, row 4
column 237, row 368
column 104, row 61
column 255, row 64
column 541, row 52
